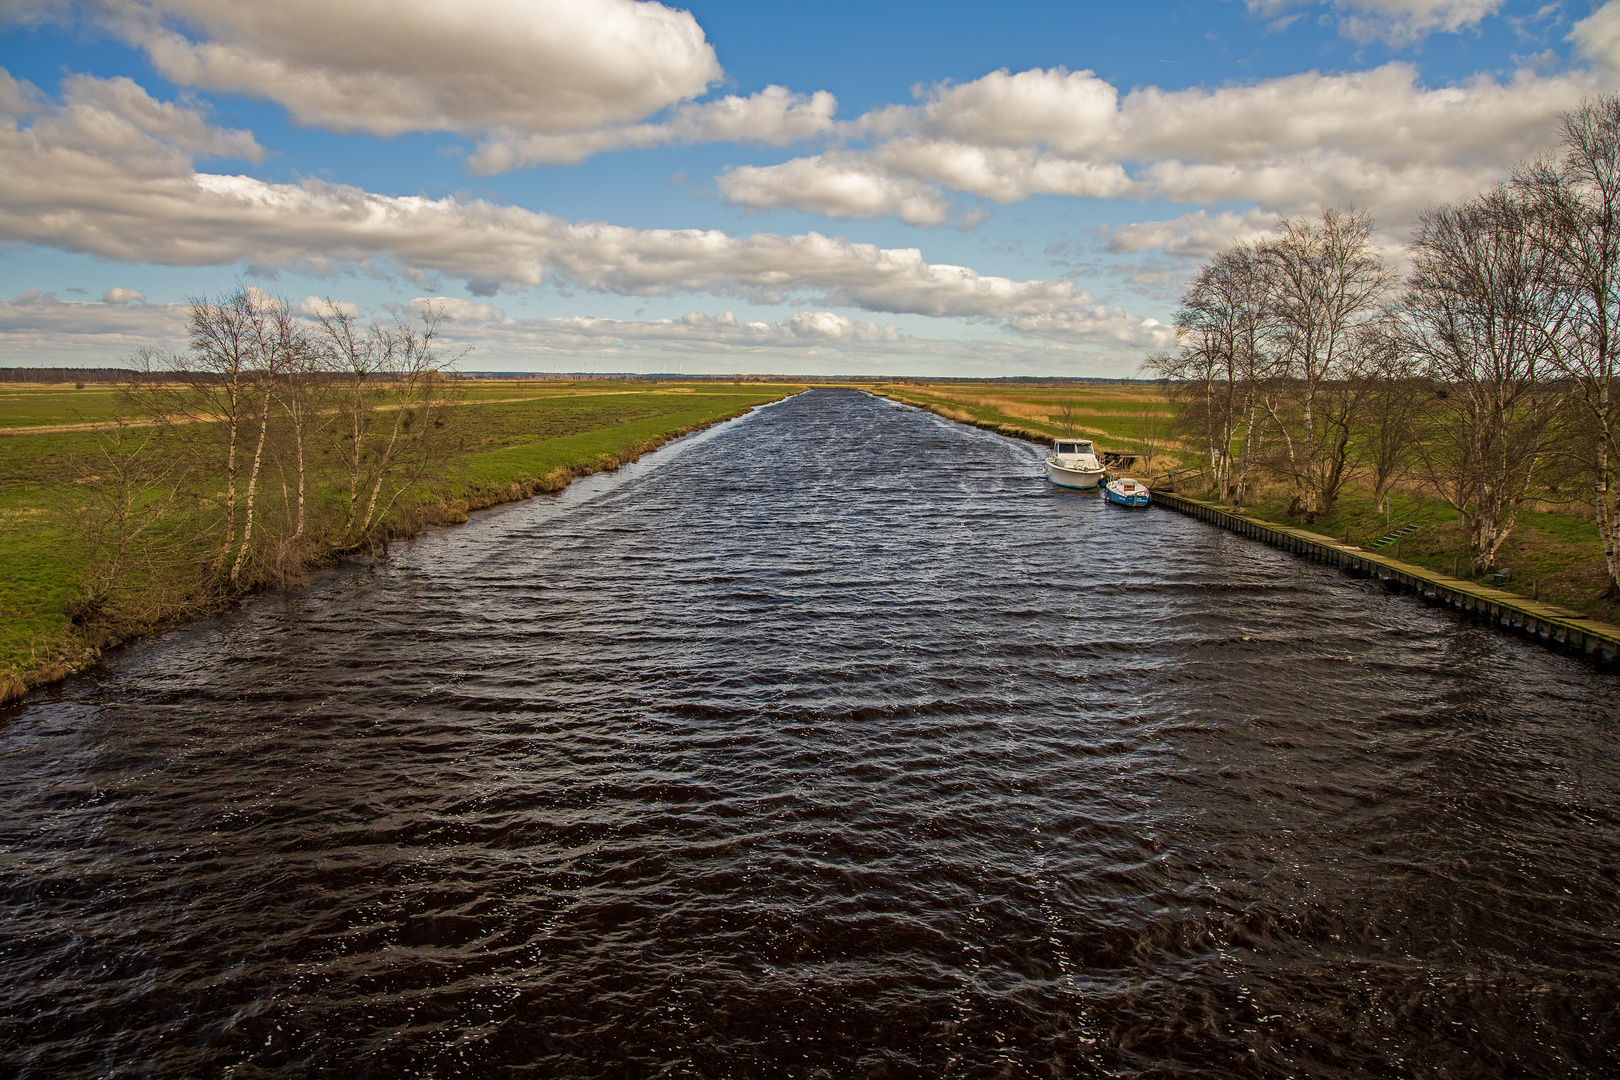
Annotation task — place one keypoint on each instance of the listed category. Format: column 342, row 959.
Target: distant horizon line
column 110, row 374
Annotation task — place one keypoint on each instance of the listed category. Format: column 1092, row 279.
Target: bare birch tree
column 393, row 407
column 208, row 400
column 1580, row 192
column 1485, row 316
column 1221, row 367
column 298, row 390
column 279, row 346
column 1391, row 395
column 1067, row 416
column 1326, row 280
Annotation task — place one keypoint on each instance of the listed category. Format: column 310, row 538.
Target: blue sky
column 614, row 185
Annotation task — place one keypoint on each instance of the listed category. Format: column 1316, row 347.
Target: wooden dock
column 1548, row 623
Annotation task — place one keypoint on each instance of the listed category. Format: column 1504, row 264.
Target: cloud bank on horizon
column 1065, row 207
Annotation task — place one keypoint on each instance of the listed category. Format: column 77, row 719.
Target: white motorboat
column 1073, row 463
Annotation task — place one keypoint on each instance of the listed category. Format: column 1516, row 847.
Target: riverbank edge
column 1552, row 626
column 446, row 512
column 1012, row 431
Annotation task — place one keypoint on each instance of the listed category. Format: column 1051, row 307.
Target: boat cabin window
column 1074, row 448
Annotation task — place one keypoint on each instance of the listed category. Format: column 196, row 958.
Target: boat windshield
column 1074, row 448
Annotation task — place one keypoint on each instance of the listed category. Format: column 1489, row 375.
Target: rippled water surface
column 834, row 742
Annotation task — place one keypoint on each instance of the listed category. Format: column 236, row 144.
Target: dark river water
column 830, row 742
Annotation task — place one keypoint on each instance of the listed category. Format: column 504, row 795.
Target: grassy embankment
column 1554, row 550
column 1555, row 557
column 1129, row 418
column 520, row 438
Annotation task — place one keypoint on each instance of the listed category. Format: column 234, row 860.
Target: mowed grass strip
column 504, row 447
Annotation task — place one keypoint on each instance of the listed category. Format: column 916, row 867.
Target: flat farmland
column 511, row 440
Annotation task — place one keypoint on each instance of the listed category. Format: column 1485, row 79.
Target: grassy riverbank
column 1122, row 417
column 1555, row 556
column 516, row 439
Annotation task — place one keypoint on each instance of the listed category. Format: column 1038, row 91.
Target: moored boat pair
column 1073, row 463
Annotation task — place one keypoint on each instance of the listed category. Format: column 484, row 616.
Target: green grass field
column 25, row 405
column 548, row 427
column 1554, row 556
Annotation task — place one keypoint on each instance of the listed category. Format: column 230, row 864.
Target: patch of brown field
column 63, row 429
column 1040, row 406
column 1580, row 511
column 1005, row 406
column 1040, row 394
column 1007, row 411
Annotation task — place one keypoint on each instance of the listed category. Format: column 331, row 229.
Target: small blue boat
column 1126, row 492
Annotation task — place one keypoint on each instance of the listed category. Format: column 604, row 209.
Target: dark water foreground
column 830, row 742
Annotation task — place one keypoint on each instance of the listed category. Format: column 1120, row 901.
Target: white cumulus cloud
column 1098, row 324
column 693, row 334
column 318, row 307
column 831, row 326
column 1071, row 111
column 117, row 118
column 1198, row 234
column 835, row 186
column 774, row 116
column 391, row 66
column 1597, row 37
column 114, row 189
column 456, row 309
column 806, row 342
column 1294, row 144
column 39, row 328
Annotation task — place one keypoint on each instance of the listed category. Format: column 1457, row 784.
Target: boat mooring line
column 1546, row 623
